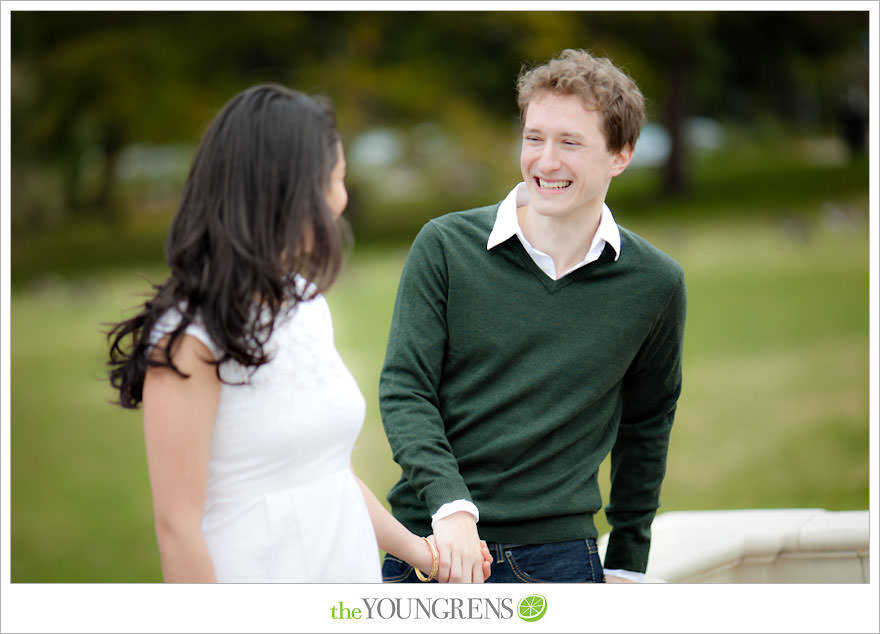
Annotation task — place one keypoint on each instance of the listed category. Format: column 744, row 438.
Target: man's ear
column 620, row 160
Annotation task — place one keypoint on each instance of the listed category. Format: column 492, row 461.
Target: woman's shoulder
column 170, row 321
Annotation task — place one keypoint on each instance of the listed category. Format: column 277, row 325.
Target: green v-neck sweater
column 507, row 388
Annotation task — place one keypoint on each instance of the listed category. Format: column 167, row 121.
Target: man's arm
column 638, row 459
column 409, row 398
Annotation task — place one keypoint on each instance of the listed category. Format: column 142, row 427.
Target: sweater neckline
column 551, row 285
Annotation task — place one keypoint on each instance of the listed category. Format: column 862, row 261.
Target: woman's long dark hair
column 253, row 211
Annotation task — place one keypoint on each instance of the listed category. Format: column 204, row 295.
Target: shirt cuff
column 637, row 577
column 454, row 507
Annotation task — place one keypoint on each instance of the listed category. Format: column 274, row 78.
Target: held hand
column 487, row 559
column 461, row 553
column 484, row 550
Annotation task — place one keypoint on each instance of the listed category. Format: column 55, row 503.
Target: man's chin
column 548, row 208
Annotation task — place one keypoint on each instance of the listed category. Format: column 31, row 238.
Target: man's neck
column 566, row 239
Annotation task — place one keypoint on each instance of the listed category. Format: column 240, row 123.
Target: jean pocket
column 395, row 570
column 564, row 562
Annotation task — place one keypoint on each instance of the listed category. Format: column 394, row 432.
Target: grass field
column 774, row 411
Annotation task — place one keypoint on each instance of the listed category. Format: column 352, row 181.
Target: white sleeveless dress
column 282, row 502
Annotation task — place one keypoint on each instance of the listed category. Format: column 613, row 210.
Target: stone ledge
column 758, row 546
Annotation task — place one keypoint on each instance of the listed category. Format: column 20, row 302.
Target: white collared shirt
column 507, row 225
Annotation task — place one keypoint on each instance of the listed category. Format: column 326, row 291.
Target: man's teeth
column 553, row 184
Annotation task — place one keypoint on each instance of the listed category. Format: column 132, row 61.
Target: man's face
column 565, row 160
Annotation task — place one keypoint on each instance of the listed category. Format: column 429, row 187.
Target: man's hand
column 484, row 551
column 613, row 579
column 461, row 553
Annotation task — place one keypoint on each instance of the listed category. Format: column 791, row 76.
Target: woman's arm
column 178, row 422
column 394, row 537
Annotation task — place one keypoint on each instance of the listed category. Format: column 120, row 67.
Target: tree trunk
column 676, row 177
column 105, row 202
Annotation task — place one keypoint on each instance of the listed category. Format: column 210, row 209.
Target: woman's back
column 282, row 503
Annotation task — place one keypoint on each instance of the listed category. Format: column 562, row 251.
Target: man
column 529, row 339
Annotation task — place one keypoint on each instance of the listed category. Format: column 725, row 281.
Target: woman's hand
column 487, row 559
column 484, row 550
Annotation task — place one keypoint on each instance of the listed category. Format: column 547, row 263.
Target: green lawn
column 774, row 411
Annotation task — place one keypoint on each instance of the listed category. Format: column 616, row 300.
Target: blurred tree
column 94, row 84
column 793, row 66
column 87, row 84
column 676, row 47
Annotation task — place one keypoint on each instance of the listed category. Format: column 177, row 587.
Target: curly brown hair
column 598, row 82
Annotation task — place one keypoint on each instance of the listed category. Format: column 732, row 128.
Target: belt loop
column 499, row 555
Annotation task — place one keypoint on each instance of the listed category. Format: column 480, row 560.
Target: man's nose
column 549, row 159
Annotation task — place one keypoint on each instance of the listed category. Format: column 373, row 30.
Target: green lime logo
column 532, row 607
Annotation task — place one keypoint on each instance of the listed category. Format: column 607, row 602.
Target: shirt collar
column 507, row 224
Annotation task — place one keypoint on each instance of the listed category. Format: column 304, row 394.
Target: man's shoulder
column 477, row 217
column 649, row 256
column 461, row 227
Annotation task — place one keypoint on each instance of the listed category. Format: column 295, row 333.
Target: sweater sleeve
column 409, row 383
column 651, row 388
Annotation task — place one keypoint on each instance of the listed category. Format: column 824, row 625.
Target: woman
column 250, row 415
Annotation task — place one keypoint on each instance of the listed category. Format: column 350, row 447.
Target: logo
column 532, row 608
column 416, row 608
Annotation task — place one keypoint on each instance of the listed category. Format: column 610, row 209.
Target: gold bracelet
column 435, row 563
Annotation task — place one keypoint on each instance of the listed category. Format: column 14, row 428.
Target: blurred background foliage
column 108, row 106
column 752, row 170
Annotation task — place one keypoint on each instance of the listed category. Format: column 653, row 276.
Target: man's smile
column 552, row 184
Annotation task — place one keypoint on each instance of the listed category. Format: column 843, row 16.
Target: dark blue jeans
column 576, row 561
